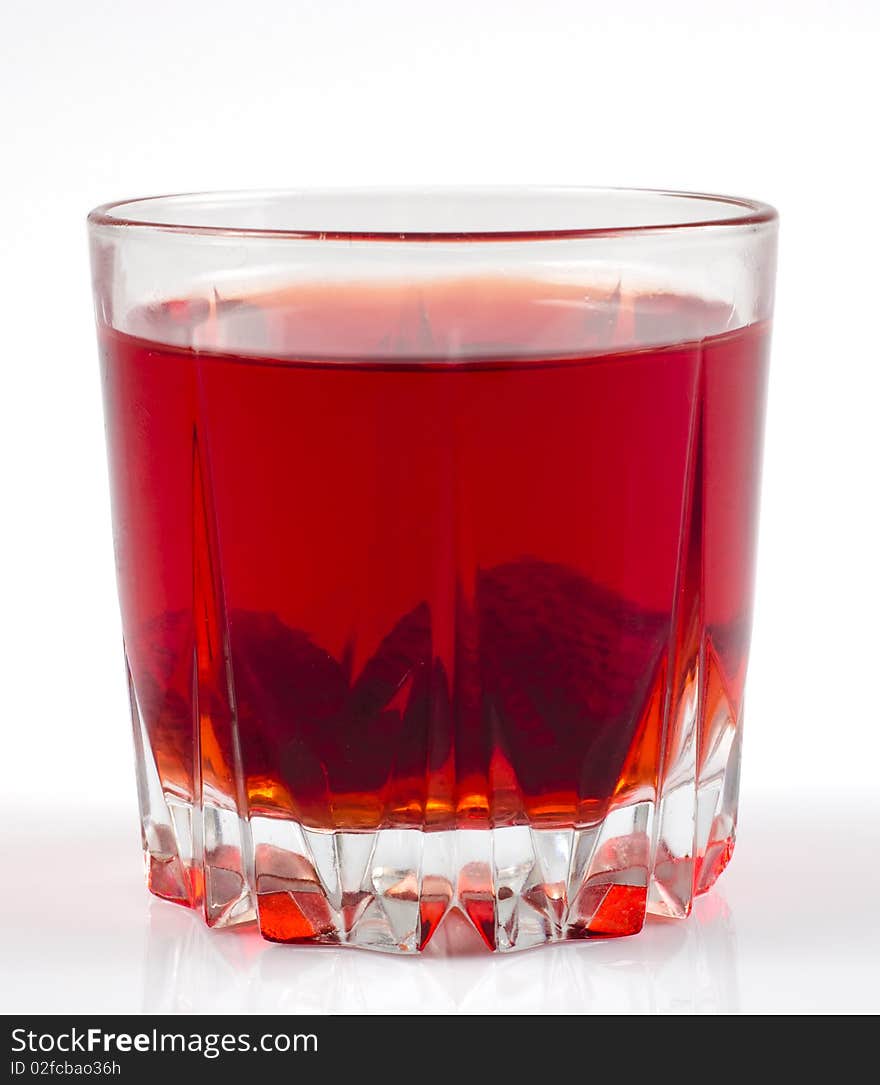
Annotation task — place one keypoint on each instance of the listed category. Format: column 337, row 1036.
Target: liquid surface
column 395, row 566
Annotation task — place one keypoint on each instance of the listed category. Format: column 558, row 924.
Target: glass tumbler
column 434, row 518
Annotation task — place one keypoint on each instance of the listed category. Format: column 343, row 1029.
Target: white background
column 767, row 99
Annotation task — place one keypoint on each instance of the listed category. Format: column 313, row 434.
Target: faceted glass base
column 517, row 885
column 390, row 890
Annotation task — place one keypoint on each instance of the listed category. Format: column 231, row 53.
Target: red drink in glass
column 408, row 563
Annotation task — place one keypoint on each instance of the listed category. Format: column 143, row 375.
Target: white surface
column 771, row 100
column 793, row 926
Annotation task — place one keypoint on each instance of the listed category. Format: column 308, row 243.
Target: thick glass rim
column 213, row 214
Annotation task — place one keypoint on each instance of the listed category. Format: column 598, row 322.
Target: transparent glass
column 434, row 518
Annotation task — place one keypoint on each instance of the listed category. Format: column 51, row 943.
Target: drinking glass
column 434, row 517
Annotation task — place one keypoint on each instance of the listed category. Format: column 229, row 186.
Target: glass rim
column 134, row 214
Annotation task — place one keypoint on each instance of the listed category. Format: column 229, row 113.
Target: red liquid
column 374, row 587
